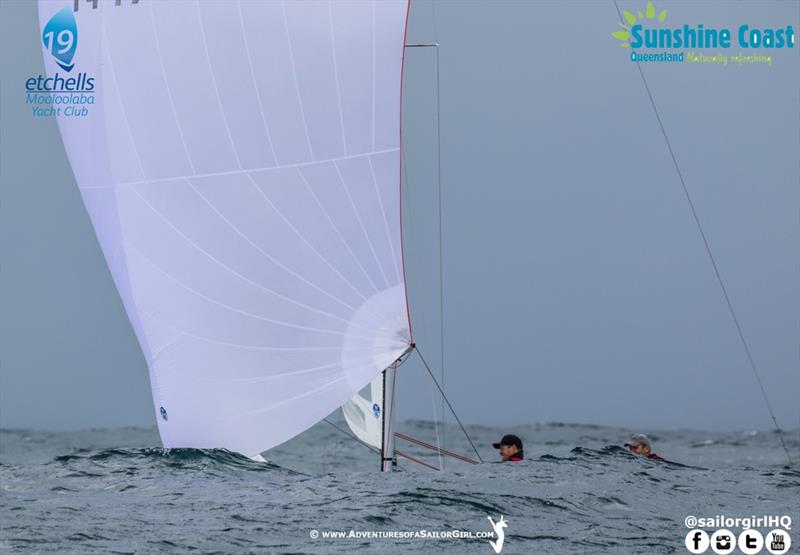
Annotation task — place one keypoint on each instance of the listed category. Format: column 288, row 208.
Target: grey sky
column 576, row 284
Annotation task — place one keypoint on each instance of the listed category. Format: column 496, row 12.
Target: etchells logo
column 61, row 95
column 60, row 38
column 650, row 39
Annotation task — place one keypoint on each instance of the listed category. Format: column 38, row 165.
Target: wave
column 177, row 458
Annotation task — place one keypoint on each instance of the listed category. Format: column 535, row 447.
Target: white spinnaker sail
column 241, row 168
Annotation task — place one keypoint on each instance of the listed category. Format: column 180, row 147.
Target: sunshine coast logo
column 651, row 40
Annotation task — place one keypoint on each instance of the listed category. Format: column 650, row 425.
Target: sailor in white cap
column 640, row 444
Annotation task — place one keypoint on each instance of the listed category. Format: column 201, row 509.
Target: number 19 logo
column 60, row 38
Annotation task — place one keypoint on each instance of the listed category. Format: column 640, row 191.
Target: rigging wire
column 416, row 460
column 711, row 256
column 428, row 368
column 439, row 204
column 435, row 46
column 436, row 429
column 434, row 448
column 345, row 432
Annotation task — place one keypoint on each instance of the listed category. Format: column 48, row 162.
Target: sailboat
column 241, row 166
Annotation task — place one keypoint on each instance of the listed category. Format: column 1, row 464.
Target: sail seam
column 119, row 94
column 304, row 239
column 231, row 270
column 242, row 171
column 360, row 223
column 294, row 74
column 338, row 232
column 255, row 84
column 262, row 379
column 269, row 256
column 214, row 84
column 231, row 308
column 373, row 74
column 336, row 76
column 236, row 345
column 385, row 220
column 168, row 90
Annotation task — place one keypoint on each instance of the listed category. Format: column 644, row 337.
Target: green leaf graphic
column 624, row 36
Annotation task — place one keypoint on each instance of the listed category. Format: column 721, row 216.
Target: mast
column 388, row 456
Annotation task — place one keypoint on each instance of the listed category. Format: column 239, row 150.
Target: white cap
column 638, row 439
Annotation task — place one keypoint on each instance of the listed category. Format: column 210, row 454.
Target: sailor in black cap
column 510, row 448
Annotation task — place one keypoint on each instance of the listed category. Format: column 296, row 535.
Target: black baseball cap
column 509, row 439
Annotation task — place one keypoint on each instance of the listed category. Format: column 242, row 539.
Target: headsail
column 364, row 413
column 241, row 167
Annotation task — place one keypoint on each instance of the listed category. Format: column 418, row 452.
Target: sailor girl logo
column 60, row 38
column 499, row 532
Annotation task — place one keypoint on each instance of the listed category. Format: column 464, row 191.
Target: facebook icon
column 697, row 541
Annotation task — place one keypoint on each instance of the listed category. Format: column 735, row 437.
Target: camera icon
column 723, row 542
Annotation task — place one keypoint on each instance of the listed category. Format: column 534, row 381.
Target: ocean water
column 578, row 491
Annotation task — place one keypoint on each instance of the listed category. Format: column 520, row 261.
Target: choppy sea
column 578, row 491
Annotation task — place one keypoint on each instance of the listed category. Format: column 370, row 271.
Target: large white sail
column 241, row 168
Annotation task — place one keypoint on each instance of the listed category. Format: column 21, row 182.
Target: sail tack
column 241, row 168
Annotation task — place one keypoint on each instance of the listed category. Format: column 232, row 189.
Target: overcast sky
column 576, row 284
